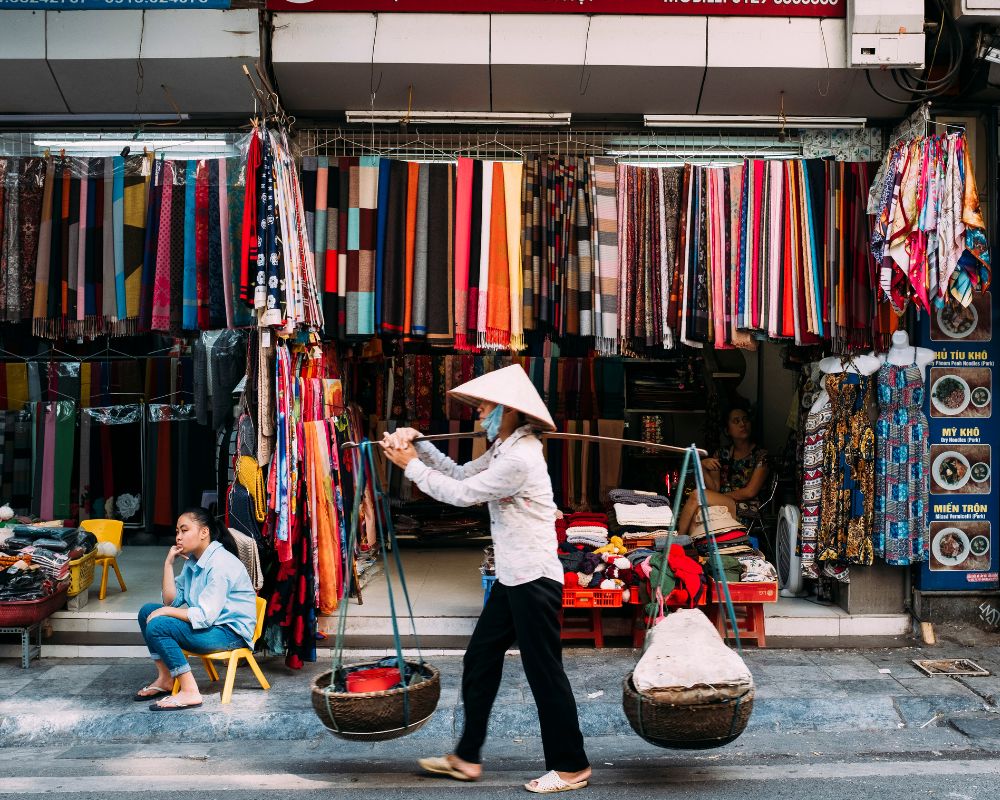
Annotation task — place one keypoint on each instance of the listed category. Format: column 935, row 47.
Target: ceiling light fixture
column 458, row 118
column 71, row 146
column 750, row 121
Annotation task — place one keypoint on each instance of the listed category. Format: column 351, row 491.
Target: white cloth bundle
column 685, row 652
column 641, row 514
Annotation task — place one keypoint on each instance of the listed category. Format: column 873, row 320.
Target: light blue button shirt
column 217, row 591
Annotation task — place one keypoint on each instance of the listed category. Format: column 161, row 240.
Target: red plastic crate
column 592, row 598
column 748, row 593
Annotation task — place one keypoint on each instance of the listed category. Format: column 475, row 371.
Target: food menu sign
column 961, row 412
column 689, row 8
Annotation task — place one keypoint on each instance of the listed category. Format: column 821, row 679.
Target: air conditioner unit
column 977, row 11
column 885, row 33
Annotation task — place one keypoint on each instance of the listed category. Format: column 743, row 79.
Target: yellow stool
column 107, row 530
column 233, row 657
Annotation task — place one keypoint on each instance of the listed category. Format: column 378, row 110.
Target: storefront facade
column 645, row 83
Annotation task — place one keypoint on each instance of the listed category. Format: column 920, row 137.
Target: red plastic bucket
column 375, row 679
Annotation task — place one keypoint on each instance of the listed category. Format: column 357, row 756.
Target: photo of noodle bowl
column 960, row 469
column 951, row 470
column 959, row 546
column 950, row 395
column 965, row 392
column 972, row 323
column 950, row 547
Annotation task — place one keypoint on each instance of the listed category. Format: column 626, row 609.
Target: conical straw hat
column 510, row 387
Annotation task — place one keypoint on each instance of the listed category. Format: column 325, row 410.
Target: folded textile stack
column 644, row 516
column 25, row 583
column 730, row 536
column 54, row 565
column 586, row 528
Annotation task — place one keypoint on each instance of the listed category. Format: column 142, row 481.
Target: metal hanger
column 107, row 353
column 172, row 394
column 4, row 352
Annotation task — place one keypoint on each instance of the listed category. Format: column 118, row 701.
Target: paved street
column 266, row 770
column 826, row 724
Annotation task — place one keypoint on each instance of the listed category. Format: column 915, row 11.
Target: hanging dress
column 817, row 424
column 847, row 501
column 901, row 465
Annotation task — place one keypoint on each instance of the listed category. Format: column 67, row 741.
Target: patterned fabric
column 604, row 203
column 902, row 466
column 847, row 505
column 817, row 425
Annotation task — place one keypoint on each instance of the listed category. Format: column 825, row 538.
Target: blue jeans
column 165, row 636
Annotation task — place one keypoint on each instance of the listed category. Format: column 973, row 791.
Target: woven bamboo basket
column 376, row 716
column 686, row 727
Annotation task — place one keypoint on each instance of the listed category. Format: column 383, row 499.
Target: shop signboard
column 689, row 8
column 962, row 416
column 109, row 5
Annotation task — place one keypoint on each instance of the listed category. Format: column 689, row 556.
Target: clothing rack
column 514, row 145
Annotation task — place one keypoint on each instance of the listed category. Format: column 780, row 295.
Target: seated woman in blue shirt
column 210, row 606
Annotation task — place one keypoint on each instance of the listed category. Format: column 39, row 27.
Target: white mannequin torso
column 822, row 400
column 862, row 365
column 902, row 354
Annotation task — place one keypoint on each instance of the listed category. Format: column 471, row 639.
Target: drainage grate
column 951, row 666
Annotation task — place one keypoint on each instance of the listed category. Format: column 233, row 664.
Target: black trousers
column 528, row 614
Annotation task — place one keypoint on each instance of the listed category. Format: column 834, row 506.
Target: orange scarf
column 498, row 300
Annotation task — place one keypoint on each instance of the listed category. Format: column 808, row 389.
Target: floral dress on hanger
column 846, row 509
column 901, row 465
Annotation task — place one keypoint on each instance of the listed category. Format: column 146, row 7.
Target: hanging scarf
column 441, row 287
column 512, row 173
column 498, row 312
column 604, row 203
column 463, row 232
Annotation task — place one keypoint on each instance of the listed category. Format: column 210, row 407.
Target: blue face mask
column 491, row 423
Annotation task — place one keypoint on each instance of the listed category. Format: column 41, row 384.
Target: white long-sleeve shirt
column 513, row 480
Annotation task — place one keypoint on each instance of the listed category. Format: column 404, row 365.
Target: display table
column 748, row 600
column 25, row 618
column 592, row 601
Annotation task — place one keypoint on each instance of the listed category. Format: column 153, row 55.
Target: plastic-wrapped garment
column 219, row 365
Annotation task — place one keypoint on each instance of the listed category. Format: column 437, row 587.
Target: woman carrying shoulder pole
column 526, row 600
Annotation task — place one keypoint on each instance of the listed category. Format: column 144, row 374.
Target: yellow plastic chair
column 233, row 657
column 107, row 530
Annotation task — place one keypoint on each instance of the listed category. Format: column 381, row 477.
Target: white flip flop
column 551, row 782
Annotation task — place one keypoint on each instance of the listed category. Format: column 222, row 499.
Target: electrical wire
column 927, row 87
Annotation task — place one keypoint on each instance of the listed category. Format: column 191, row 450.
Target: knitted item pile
column 630, row 497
